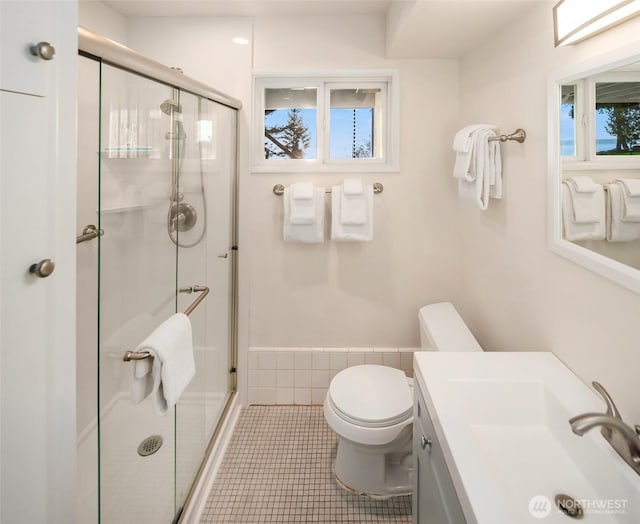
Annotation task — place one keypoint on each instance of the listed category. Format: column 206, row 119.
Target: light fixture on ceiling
column 576, row 20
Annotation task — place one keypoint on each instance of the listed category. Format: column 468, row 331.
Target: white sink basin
column 502, row 419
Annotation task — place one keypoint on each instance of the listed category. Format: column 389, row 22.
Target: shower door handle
column 224, row 255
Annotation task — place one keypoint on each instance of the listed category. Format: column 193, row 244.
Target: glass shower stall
column 156, row 231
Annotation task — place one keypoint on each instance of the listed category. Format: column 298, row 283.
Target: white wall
column 514, row 292
column 333, row 294
column 101, row 19
column 357, row 294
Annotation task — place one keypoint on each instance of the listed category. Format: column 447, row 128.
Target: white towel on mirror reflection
column 303, row 203
column 582, row 230
column 309, row 233
column 586, row 199
column 351, row 232
column 168, row 373
column 583, row 184
column 619, row 230
column 630, row 199
column 354, row 203
column 479, row 171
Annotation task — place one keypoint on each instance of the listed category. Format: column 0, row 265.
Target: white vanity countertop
column 502, row 421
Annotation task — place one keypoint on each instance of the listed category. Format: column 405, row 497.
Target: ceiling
column 415, row 28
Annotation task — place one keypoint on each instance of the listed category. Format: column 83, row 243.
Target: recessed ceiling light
column 240, row 40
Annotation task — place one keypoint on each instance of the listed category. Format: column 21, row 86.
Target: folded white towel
column 582, row 184
column 303, row 207
column 351, row 232
column 168, row 371
column 352, row 186
column 631, row 186
column 581, row 231
column 309, row 233
column 302, row 191
column 587, row 206
column 354, row 205
column 484, row 176
column 630, row 199
column 617, row 229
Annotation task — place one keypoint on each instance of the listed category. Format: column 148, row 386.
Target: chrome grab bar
column 204, row 290
column 88, row 233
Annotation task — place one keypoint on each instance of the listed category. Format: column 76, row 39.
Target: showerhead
column 170, row 106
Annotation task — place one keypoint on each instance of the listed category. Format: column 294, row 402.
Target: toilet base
column 376, row 471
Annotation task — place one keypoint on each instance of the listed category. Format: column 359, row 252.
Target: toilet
column 370, row 408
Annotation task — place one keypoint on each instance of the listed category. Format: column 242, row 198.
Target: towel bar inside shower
column 203, row 290
column 278, row 189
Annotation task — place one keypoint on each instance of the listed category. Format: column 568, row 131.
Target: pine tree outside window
column 327, row 123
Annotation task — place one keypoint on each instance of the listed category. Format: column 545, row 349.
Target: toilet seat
column 371, row 396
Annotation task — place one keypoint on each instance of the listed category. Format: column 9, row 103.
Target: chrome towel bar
column 204, row 290
column 278, row 189
column 519, row 135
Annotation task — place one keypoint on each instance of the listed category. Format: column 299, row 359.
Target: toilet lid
column 371, row 396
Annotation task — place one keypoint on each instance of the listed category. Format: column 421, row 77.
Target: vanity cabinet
column 434, row 497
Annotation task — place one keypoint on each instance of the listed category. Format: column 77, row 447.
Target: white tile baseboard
column 299, row 375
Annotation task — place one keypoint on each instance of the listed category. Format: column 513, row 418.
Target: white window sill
column 605, row 164
column 288, row 167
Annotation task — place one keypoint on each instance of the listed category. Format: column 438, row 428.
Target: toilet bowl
column 370, row 408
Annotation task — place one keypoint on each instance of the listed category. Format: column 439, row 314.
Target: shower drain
column 150, row 445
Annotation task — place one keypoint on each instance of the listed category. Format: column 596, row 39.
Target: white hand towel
column 168, row 372
column 463, row 146
column 353, row 204
column 581, row 231
column 617, row 229
column 587, row 206
column 352, row 186
column 302, row 203
column 351, row 232
column 311, row 233
column 630, row 199
column 631, row 186
column 303, row 191
column 485, row 170
column 583, row 184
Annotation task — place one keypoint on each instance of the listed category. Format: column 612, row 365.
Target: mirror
column 594, row 165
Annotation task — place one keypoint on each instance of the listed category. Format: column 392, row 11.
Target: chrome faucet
column 624, row 439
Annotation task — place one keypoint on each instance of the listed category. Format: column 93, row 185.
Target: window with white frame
column 600, row 120
column 325, row 123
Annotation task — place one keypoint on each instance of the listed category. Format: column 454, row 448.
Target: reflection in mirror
column 594, row 165
column 599, row 148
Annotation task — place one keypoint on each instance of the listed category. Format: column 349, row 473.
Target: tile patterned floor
column 277, row 468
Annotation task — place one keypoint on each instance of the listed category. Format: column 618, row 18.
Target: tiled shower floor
column 277, row 468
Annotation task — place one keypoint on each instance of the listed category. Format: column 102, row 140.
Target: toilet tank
column 442, row 329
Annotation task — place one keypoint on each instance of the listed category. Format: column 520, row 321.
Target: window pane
column 568, row 121
column 355, row 122
column 290, row 117
column 617, row 118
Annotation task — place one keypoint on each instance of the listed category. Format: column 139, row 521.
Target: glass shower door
column 206, row 184
column 137, row 274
